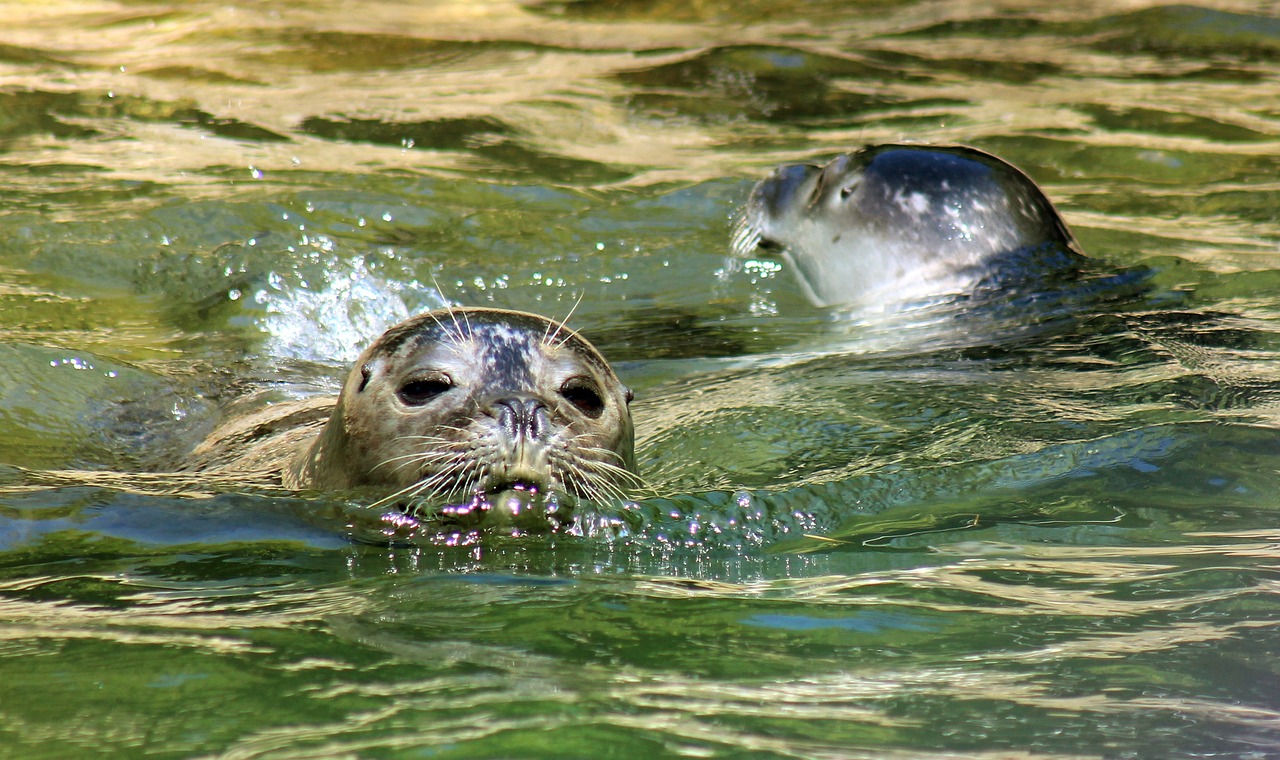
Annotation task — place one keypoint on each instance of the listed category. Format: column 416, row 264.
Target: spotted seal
column 902, row 222
column 485, row 411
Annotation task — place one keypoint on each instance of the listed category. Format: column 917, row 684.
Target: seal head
column 899, row 222
column 501, row 409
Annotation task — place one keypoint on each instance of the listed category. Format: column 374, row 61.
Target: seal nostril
column 521, row 416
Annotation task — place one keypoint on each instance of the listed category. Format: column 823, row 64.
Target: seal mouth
column 496, row 487
column 524, row 506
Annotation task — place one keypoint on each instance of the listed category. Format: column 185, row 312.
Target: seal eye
column 421, row 391
column 583, row 396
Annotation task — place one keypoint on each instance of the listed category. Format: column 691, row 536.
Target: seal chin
column 515, row 491
column 524, row 507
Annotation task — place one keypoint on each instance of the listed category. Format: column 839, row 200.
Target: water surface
column 1042, row 531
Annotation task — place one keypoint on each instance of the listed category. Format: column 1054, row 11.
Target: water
column 1048, row 531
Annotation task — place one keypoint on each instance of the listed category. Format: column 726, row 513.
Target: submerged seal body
column 469, row 404
column 901, row 222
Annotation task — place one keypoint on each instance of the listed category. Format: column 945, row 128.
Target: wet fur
column 899, row 222
column 455, row 446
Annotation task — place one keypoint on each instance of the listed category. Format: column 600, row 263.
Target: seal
column 903, row 222
column 492, row 410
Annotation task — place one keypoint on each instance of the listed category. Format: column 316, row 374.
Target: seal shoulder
column 259, row 446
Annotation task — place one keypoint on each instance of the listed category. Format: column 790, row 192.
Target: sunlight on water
column 1040, row 526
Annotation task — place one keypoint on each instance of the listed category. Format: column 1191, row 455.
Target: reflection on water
column 1043, row 526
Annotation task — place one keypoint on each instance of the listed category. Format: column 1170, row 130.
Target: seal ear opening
column 365, row 372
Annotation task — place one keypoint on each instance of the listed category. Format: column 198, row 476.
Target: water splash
column 333, row 320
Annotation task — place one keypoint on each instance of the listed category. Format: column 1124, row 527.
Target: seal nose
column 773, row 201
column 782, row 188
column 520, row 416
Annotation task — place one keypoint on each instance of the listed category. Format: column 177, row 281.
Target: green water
column 1048, row 531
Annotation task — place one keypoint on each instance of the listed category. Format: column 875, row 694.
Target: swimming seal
column 902, row 222
column 485, row 411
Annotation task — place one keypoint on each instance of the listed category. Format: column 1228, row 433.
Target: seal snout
column 773, row 201
column 521, row 459
column 784, row 187
column 520, row 417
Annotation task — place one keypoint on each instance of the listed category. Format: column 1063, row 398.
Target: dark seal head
column 901, row 222
column 499, row 409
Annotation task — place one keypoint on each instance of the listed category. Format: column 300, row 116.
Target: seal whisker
column 598, row 489
column 605, row 452
column 470, row 331
column 417, row 487
column 595, row 476
column 448, row 308
column 746, row 233
column 617, row 479
column 616, row 472
column 592, row 489
column 476, row 474
column 563, row 323
column 422, row 457
column 435, row 488
column 436, row 319
column 447, row 442
column 385, row 500
column 454, row 428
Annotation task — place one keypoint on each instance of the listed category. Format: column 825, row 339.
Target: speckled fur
column 897, row 222
column 373, row 438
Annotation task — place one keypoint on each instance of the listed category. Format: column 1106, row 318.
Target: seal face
column 498, row 408
column 901, row 222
